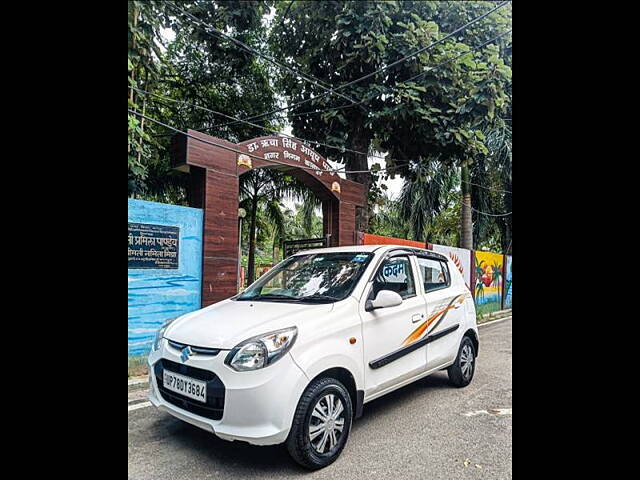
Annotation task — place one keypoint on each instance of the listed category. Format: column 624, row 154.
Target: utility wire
column 423, row 49
column 335, row 170
column 370, row 97
column 310, row 142
column 397, row 62
column 309, row 78
column 489, row 188
column 491, row 214
column 225, row 147
column 275, row 161
column 429, row 69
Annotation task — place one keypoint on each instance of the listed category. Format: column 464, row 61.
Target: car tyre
column 318, row 434
column 462, row 370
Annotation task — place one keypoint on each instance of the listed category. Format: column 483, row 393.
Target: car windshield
column 318, row 277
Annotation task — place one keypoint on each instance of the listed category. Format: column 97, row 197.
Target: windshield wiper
column 289, row 298
column 271, row 296
column 318, row 296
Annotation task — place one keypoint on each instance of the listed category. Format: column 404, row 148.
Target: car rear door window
column 435, row 274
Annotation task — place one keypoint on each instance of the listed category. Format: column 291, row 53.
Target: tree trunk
column 360, row 142
column 466, row 236
column 251, row 263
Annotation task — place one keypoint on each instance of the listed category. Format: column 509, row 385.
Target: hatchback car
column 295, row 357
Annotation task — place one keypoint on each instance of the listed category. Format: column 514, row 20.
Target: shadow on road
column 240, row 456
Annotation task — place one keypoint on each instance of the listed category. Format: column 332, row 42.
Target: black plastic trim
column 214, row 406
column 401, row 352
column 200, row 350
column 359, row 403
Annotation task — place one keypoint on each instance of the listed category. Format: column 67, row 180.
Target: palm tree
column 262, row 190
column 268, row 187
column 494, row 174
column 425, row 194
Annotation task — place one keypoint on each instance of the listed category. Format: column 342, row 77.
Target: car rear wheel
column 462, row 370
column 321, row 424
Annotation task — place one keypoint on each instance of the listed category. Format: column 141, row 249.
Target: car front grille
column 213, row 408
column 199, row 350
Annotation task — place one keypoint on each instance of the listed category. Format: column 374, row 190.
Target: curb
column 494, row 321
column 138, row 383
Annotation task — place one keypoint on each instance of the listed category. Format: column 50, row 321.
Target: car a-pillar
column 214, row 166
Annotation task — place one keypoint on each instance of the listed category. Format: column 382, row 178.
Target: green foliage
column 439, row 116
column 449, row 116
column 194, row 67
column 494, row 173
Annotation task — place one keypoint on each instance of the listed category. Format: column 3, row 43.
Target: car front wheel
column 462, row 370
column 321, row 424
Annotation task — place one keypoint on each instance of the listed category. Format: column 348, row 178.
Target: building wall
column 371, row 239
column 160, row 294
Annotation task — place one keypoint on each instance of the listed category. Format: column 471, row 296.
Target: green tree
column 199, row 68
column 144, row 64
column 431, row 107
column 267, row 188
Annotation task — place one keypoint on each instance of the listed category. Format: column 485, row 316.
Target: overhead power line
column 491, row 214
column 430, row 69
column 397, row 62
column 309, row 78
column 302, row 102
column 423, row 49
column 273, row 130
column 335, row 170
column 489, row 188
column 225, row 147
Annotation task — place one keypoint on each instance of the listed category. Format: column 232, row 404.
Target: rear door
column 386, row 330
column 445, row 310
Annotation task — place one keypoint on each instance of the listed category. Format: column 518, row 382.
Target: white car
column 294, row 358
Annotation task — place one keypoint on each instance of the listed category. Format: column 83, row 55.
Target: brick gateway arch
column 215, row 165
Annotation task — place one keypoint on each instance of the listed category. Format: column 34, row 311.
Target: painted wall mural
column 165, row 268
column 488, row 281
column 507, row 282
column 461, row 257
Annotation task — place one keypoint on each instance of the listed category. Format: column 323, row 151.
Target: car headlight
column 159, row 335
column 261, row 351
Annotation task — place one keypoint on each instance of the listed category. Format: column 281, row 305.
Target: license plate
column 186, row 386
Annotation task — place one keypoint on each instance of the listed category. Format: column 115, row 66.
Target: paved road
column 419, row 431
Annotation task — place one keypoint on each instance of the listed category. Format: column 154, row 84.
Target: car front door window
column 395, row 274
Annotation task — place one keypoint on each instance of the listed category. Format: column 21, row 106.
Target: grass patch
column 138, row 366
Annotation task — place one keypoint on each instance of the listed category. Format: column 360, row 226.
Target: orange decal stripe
column 418, row 332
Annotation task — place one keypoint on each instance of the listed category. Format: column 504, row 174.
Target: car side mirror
column 384, row 299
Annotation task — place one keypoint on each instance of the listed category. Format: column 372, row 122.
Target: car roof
column 361, row 248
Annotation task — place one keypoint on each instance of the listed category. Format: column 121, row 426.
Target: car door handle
column 417, row 317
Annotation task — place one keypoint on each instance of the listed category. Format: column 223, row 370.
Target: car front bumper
column 258, row 405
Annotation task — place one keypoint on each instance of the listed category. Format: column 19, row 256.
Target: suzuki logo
column 185, row 353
